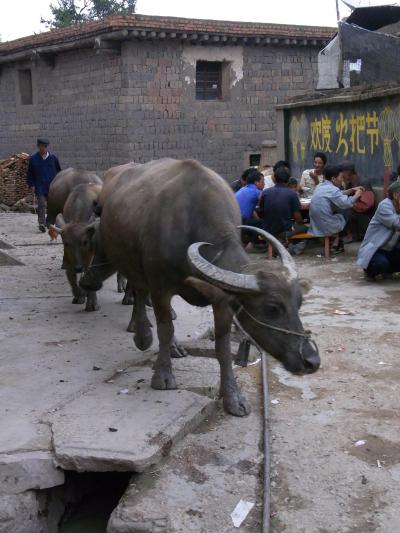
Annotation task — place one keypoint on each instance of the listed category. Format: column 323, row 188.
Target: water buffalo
column 171, row 227
column 62, row 185
column 78, row 249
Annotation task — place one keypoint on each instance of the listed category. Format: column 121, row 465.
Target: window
column 254, row 160
column 25, row 86
column 208, row 80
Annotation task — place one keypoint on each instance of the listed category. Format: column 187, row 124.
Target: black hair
column 349, row 166
column 246, row 173
column 331, row 172
column 292, row 182
column 254, row 176
column 322, row 156
column 282, row 175
column 281, row 164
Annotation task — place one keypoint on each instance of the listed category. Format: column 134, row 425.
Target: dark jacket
column 41, row 172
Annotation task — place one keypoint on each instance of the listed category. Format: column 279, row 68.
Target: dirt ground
column 335, row 436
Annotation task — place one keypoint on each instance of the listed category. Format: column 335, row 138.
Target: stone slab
column 115, row 428
column 204, row 477
column 18, row 434
column 29, row 470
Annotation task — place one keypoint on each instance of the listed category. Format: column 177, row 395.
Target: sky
column 22, row 17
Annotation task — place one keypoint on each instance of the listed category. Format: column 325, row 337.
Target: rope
column 306, row 334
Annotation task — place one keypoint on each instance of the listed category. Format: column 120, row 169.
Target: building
column 141, row 87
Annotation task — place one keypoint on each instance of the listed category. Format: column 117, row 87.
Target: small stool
column 302, row 237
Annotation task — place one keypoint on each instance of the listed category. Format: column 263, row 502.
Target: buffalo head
column 266, row 303
column 78, row 249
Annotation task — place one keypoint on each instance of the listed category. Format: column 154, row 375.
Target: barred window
column 208, row 80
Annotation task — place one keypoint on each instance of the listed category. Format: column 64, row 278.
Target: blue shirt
column 279, row 203
column 247, row 198
column 41, row 172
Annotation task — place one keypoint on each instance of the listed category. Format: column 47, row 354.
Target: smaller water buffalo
column 78, row 250
column 62, row 186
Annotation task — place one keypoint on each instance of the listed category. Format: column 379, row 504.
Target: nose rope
column 303, row 336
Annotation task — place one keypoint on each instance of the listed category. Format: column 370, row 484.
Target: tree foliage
column 71, row 12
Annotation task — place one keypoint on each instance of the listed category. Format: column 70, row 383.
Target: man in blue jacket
column 43, row 166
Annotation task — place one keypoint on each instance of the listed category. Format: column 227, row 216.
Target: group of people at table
column 327, row 201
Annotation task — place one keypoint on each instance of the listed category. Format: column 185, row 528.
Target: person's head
column 256, row 178
column 394, row 194
column 348, row 170
column 334, row 175
column 245, row 175
column 292, row 184
column 42, row 145
column 282, row 175
column 319, row 162
column 281, row 164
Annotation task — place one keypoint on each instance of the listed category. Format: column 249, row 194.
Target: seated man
column 242, row 181
column 248, row 197
column 362, row 210
column 313, row 177
column 329, row 208
column 379, row 252
column 280, row 208
column 270, row 178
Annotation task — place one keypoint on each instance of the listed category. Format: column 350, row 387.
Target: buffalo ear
column 305, row 286
column 213, row 294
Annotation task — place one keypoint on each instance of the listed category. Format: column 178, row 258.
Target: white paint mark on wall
column 231, row 54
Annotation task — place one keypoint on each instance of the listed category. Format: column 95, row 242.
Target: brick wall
column 102, row 110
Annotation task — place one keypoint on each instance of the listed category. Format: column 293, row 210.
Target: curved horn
column 225, row 279
column 286, row 258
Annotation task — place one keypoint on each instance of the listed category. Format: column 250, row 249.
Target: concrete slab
column 115, row 428
column 207, row 473
column 28, row 471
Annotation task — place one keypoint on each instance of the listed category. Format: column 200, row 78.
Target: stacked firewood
column 14, row 192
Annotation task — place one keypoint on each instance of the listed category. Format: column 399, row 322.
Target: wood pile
column 13, row 187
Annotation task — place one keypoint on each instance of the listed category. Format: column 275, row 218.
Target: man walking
column 43, row 166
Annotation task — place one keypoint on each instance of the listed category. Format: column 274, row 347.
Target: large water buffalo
column 171, row 227
column 78, row 249
column 62, row 185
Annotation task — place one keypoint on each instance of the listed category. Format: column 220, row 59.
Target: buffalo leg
column 129, row 296
column 163, row 377
column 140, row 324
column 79, row 295
column 91, row 302
column 121, row 283
column 234, row 402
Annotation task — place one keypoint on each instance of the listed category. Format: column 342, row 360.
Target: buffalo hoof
column 90, row 307
column 163, row 380
column 121, row 287
column 177, row 351
column 143, row 341
column 131, row 327
column 128, row 299
column 236, row 404
column 78, row 299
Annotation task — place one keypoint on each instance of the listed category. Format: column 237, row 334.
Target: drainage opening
column 90, row 498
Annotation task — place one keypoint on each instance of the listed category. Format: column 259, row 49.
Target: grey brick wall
column 102, row 110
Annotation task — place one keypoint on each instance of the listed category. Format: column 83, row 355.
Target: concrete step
column 125, row 425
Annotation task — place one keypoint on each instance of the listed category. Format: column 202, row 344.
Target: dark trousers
column 384, row 262
column 250, row 236
column 41, row 208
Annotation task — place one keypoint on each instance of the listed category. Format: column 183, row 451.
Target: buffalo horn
column 225, row 279
column 286, row 258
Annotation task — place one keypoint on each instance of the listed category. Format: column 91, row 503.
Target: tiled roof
column 86, row 30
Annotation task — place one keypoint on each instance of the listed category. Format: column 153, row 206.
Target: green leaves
column 71, row 12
